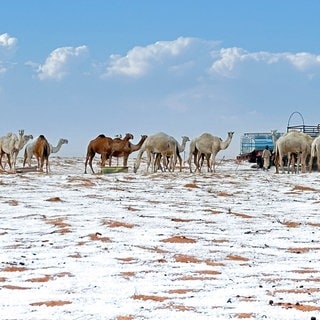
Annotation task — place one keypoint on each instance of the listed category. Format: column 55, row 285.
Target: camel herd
column 108, row 147
column 297, row 145
column 162, row 150
column 11, row 144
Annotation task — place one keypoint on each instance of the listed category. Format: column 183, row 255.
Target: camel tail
column 276, row 155
column 25, row 156
column 46, row 151
column 313, row 150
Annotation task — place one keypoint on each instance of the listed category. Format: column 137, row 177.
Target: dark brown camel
column 101, row 145
column 126, row 149
column 42, row 152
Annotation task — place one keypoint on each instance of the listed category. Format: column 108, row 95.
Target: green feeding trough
column 106, row 170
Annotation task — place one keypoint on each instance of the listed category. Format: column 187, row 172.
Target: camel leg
column 1, row 161
column 172, row 163
column 208, row 163
column 303, row 164
column 281, row 164
column 194, row 161
column 38, row 161
column 24, row 160
column 90, row 156
column 213, row 164
column 180, row 162
column 47, row 165
column 190, row 160
column 198, row 166
column 1, row 154
column 149, row 159
column 14, row 160
column 41, row 165
column 9, row 162
column 90, row 163
column 85, row 164
column 165, row 162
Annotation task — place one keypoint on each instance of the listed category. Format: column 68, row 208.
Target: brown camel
column 101, row 145
column 128, row 148
column 42, row 152
column 120, row 147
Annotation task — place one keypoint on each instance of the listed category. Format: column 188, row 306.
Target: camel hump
column 46, row 150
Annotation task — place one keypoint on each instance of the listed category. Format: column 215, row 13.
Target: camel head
column 63, row 141
column 128, row 136
column 28, row 137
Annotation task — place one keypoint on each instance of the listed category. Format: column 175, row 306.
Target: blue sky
column 74, row 69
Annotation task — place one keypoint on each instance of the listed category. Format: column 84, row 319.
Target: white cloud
column 7, row 50
column 304, row 60
column 188, row 53
column 56, row 65
column 226, row 59
column 140, row 59
column 7, row 42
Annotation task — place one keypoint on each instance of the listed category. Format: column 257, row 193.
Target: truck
column 253, row 143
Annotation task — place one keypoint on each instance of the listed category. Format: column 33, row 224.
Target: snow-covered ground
column 240, row 243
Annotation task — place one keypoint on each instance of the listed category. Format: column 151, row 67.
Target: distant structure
column 313, row 131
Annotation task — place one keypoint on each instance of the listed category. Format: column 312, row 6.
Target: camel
column 102, row 145
column 157, row 143
column 42, row 151
column 121, row 147
column 193, row 152
column 127, row 149
column 58, row 146
column 209, row 146
column 293, row 142
column 315, row 153
column 10, row 145
column 28, row 151
column 180, row 148
column 291, row 158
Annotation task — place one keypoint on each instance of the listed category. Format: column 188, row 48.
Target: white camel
column 158, row 143
column 315, row 153
column 293, row 142
column 10, row 145
column 207, row 145
column 180, row 148
column 29, row 150
column 193, row 153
